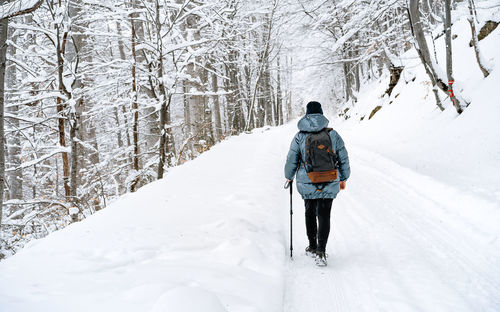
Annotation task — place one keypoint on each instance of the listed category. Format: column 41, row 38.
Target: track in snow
column 397, row 244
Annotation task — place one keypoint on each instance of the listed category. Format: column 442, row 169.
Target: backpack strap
column 337, row 165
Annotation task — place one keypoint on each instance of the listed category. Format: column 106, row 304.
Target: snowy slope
column 208, row 237
column 460, row 150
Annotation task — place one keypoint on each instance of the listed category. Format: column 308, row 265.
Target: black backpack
column 321, row 161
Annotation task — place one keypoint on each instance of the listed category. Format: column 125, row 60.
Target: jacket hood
column 312, row 123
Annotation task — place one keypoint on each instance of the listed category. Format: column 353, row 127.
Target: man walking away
column 319, row 158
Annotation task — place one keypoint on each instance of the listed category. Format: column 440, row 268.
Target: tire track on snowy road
column 398, row 245
column 456, row 246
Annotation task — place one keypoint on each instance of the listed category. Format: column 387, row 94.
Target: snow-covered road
column 213, row 236
column 399, row 243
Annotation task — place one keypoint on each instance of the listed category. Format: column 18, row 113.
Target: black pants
column 318, row 209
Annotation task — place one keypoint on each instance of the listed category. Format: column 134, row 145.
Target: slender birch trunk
column 267, row 46
column 449, row 59
column 475, row 42
column 14, row 148
column 135, row 106
column 121, row 49
column 216, row 102
column 166, row 148
column 423, row 49
column 60, row 50
column 279, row 95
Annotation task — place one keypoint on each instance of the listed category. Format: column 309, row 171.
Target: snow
column 14, row 7
column 54, row 151
column 213, row 236
column 418, row 227
column 415, row 230
column 410, row 130
column 401, row 241
column 208, row 235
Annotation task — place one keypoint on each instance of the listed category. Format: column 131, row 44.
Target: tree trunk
column 170, row 140
column 261, row 107
column 262, row 63
column 350, row 75
column 35, row 169
column 347, row 83
column 163, row 140
column 86, row 130
column 119, row 139
column 196, row 104
column 356, row 69
column 3, row 58
column 449, row 60
column 75, row 113
column 187, row 111
column 475, row 42
column 423, row 50
column 60, row 109
column 14, row 146
column 166, row 140
column 289, row 108
column 163, row 97
column 143, row 36
column 135, row 107
column 216, row 103
column 233, row 96
column 279, row 95
column 267, row 95
column 74, row 156
column 121, row 49
column 356, row 77
column 206, row 132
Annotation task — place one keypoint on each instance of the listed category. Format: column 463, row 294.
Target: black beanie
column 314, row 108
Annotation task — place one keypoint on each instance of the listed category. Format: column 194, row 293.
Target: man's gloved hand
column 342, row 185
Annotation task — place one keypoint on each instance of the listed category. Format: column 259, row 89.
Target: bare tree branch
column 19, row 7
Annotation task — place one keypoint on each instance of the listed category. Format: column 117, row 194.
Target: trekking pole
column 289, row 184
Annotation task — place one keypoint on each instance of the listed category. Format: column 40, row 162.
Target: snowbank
column 208, row 237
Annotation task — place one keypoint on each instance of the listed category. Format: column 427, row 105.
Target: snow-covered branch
column 19, row 7
column 39, row 160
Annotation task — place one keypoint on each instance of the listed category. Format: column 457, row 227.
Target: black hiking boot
column 320, row 258
column 311, row 252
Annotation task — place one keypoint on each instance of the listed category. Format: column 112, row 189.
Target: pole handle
column 287, row 184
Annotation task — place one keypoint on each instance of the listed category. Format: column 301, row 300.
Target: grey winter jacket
column 295, row 159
